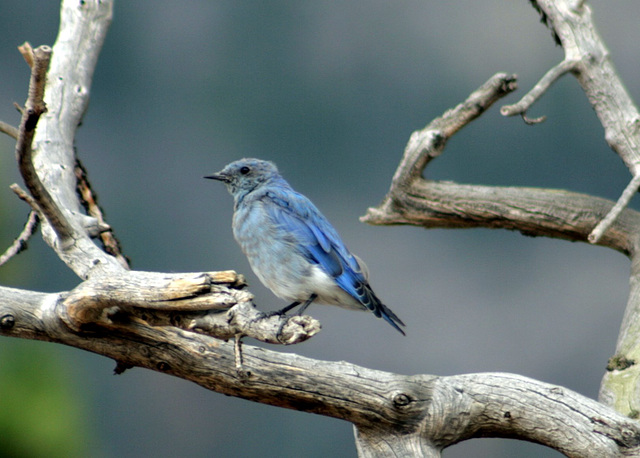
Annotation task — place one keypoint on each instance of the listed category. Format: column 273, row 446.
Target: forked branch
column 588, row 59
column 533, row 211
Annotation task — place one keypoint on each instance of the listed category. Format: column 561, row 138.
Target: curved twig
column 521, row 107
column 20, row 243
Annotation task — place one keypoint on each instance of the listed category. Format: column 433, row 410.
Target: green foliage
column 42, row 413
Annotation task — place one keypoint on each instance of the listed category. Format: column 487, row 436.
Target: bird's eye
column 244, row 170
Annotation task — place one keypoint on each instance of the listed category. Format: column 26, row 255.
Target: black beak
column 219, row 176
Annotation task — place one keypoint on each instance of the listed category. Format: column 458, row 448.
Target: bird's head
column 244, row 175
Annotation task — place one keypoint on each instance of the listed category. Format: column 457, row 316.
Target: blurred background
column 331, row 92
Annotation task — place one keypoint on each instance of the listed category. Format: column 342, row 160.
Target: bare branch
column 83, row 27
column 429, row 142
column 392, row 413
column 532, row 211
column 39, row 61
column 20, row 243
column 8, row 129
column 621, row 204
column 537, row 91
column 211, row 303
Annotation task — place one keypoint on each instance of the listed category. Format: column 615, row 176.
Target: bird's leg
column 294, row 305
column 307, row 303
column 286, row 309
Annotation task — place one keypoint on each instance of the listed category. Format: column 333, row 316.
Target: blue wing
column 320, row 243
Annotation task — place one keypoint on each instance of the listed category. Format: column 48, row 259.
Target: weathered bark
column 394, row 415
column 180, row 323
column 542, row 212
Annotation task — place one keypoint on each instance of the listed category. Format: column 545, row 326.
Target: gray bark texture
column 181, row 324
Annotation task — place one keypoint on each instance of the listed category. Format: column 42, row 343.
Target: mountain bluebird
column 291, row 246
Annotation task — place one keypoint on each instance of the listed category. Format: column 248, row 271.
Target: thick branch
column 392, row 413
column 587, row 57
column 212, row 303
column 619, row 387
column 83, row 27
column 532, row 211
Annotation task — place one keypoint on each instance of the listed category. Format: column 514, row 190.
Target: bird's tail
column 358, row 287
column 390, row 317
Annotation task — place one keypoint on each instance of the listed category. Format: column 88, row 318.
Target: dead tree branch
column 20, row 243
column 35, row 107
column 9, row 130
column 589, row 60
column 194, row 301
column 538, row 91
column 543, row 212
column 165, row 322
column 394, row 415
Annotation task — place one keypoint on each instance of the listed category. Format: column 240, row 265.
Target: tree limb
column 20, row 243
column 588, row 58
column 210, row 303
column 164, row 322
column 83, row 27
column 543, row 212
column 532, row 211
column 392, row 413
column 35, row 107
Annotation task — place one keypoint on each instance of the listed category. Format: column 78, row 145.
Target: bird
column 291, row 247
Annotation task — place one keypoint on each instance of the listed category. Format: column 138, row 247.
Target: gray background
column 330, row 91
